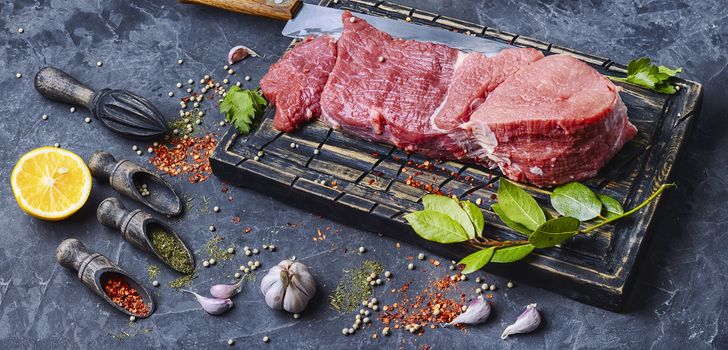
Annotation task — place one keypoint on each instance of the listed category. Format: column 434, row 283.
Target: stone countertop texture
column 681, row 287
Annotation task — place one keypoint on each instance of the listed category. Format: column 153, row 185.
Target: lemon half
column 50, row 183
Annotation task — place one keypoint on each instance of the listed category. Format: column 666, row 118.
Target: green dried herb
column 171, row 250
column 215, row 252
column 153, row 271
column 181, row 282
column 188, row 123
column 354, row 287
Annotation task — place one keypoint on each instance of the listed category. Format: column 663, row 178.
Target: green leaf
column 437, row 227
column 241, row 107
column 512, row 253
column 476, row 216
column 519, row 206
column 642, row 72
column 510, row 223
column 477, row 260
column 668, row 71
column 451, row 208
column 612, row 207
column 554, row 231
column 577, row 201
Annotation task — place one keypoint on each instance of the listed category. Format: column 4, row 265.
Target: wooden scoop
column 127, row 177
column 123, row 112
column 135, row 227
column 95, row 269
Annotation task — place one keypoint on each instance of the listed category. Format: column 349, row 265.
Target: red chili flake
column 432, row 306
column 247, row 229
column 125, row 296
column 188, row 156
column 375, row 154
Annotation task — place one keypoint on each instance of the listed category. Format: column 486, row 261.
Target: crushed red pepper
column 186, row 155
column 125, row 296
column 432, row 306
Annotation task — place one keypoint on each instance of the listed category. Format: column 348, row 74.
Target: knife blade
column 307, row 19
column 319, row 20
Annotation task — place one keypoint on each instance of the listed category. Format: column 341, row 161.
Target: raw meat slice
column 546, row 121
column 387, row 89
column 554, row 121
column 295, row 82
column 412, row 94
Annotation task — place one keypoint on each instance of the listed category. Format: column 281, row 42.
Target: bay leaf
column 577, row 201
column 512, row 253
column 519, row 206
column 510, row 223
column 554, row 232
column 451, row 208
column 437, row 227
column 612, row 207
column 476, row 216
column 477, row 260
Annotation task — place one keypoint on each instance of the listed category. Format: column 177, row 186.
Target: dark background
column 680, row 289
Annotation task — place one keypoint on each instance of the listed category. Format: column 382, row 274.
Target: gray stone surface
column 680, row 290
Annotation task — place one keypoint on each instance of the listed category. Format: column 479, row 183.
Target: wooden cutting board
column 371, row 186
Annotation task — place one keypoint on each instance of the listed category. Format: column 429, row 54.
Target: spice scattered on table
column 181, row 281
column 171, row 250
column 153, row 271
column 125, row 296
column 215, row 252
column 354, row 287
column 186, row 155
column 437, row 304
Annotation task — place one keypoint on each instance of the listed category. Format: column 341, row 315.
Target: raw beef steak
column 554, row 121
column 546, row 121
column 295, row 82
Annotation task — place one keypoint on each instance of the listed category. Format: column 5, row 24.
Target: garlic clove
column 527, row 322
column 226, row 291
column 274, row 286
column 240, row 52
column 295, row 300
column 212, row 306
column 477, row 312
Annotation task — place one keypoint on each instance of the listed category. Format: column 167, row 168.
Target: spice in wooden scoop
column 125, row 296
column 171, row 250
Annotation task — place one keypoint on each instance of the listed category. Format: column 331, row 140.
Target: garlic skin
column 226, row 291
column 212, row 306
column 288, row 286
column 477, row 312
column 240, row 52
column 528, row 321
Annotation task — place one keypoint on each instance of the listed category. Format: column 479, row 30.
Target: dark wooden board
column 365, row 185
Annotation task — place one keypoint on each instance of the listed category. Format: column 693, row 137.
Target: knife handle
column 275, row 9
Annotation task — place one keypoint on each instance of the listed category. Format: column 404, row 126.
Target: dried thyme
column 354, row 287
column 153, row 271
column 188, row 122
column 215, row 252
column 171, row 250
column 181, row 282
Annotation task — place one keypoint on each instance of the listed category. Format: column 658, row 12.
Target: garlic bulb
column 288, row 286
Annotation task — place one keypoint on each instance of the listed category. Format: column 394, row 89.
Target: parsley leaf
column 657, row 78
column 241, row 107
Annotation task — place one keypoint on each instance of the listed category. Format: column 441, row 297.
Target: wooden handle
column 111, row 212
column 276, row 9
column 57, row 85
column 71, row 253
